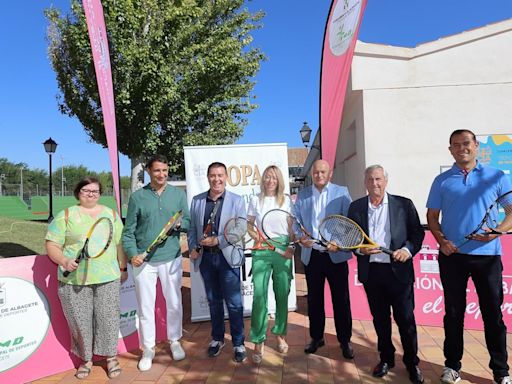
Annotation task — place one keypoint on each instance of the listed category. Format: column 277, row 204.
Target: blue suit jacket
column 234, row 205
column 338, row 201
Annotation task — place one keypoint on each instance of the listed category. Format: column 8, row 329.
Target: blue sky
column 287, row 86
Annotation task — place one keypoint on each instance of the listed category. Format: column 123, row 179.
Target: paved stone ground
column 327, row 366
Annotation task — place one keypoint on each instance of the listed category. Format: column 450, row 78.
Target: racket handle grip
column 386, row 250
column 66, row 272
column 144, row 255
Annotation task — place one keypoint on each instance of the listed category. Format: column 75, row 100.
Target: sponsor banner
column 25, row 308
column 245, row 165
column 338, row 49
column 496, row 151
column 100, row 53
column 33, row 326
column 428, row 290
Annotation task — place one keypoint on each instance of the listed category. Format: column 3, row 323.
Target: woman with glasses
column 265, row 263
column 89, row 294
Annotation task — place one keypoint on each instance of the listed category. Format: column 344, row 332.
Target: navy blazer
column 233, row 206
column 406, row 231
column 338, row 201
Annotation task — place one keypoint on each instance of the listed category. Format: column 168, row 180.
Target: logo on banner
column 24, row 321
column 428, row 260
column 200, row 170
column 343, row 25
column 2, row 295
column 128, row 314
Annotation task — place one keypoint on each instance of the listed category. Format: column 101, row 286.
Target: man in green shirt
column 149, row 209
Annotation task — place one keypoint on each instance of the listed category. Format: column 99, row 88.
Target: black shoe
column 415, row 375
column 314, row 345
column 240, row 354
column 347, row 350
column 215, row 347
column 382, row 369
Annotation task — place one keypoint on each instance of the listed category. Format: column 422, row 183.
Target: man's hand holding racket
column 169, row 229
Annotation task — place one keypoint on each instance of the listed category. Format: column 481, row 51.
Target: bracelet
column 125, row 269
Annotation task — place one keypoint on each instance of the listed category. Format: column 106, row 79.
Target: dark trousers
column 385, row 291
column 319, row 269
column 222, row 284
column 486, row 272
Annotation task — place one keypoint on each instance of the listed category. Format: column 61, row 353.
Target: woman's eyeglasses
column 94, row 192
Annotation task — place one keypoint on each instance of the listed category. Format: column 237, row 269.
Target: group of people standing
column 458, row 197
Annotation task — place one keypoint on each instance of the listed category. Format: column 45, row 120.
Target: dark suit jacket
column 406, row 231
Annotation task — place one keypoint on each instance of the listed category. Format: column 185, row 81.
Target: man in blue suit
column 313, row 204
column 218, row 262
column 392, row 222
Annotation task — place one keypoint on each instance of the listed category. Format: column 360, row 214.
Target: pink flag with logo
column 339, row 42
column 99, row 45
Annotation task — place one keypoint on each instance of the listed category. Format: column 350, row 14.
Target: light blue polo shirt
column 463, row 200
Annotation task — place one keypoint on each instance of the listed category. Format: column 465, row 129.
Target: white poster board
column 245, row 164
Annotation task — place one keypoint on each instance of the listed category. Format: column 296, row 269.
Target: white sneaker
column 450, row 376
column 177, row 351
column 147, row 360
column 503, row 380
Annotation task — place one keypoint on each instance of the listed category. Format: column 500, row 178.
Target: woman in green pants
column 266, row 263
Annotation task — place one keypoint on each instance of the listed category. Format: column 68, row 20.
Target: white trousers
column 145, row 276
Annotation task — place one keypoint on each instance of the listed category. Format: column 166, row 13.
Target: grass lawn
column 21, row 238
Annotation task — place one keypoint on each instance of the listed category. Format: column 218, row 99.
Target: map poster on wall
column 496, row 151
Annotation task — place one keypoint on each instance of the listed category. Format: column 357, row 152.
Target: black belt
column 211, row 249
column 319, row 252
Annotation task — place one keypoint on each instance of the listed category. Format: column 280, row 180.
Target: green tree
column 34, row 180
column 72, row 174
column 183, row 71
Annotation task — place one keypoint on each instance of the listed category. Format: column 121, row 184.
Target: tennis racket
column 97, row 241
column 277, row 224
column 241, row 233
column 169, row 228
column 346, row 234
column 498, row 213
column 208, row 229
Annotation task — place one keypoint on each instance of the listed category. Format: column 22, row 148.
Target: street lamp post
column 62, row 176
column 21, row 183
column 2, row 178
column 50, row 146
column 305, row 135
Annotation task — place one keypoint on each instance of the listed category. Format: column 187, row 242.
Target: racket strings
column 497, row 213
column 236, row 232
column 100, row 238
column 341, row 232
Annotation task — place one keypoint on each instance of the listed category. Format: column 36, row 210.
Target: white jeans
column 145, row 276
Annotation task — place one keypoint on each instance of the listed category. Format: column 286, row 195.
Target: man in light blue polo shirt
column 462, row 194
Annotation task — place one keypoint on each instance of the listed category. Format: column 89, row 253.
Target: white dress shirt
column 379, row 228
column 320, row 200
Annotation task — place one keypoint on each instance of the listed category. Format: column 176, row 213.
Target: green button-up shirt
column 148, row 212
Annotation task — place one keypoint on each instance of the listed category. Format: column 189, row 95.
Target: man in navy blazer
column 392, row 222
column 218, row 262
column 313, row 204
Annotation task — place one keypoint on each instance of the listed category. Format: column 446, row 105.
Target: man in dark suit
column 392, row 222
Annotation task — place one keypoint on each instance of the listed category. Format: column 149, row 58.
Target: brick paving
column 327, row 366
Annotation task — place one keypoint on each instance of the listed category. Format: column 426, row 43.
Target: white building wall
column 405, row 102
